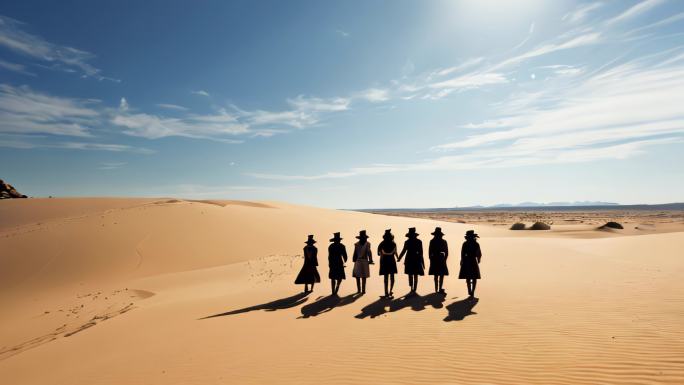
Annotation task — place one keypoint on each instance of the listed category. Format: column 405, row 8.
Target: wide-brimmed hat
column 471, row 234
column 438, row 231
column 412, row 232
column 310, row 240
column 362, row 235
column 336, row 237
column 388, row 234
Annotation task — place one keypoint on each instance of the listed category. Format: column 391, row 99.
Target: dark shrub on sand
column 612, row 225
column 518, row 226
column 540, row 226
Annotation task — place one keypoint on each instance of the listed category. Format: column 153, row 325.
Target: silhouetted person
column 362, row 258
column 337, row 256
column 470, row 261
column 309, row 273
column 414, row 265
column 438, row 253
column 387, row 250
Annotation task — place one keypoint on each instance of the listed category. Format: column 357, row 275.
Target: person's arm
column 446, row 250
column 403, row 251
column 394, row 252
column 369, row 254
column 344, row 253
column 431, row 250
column 315, row 256
column 479, row 253
column 420, row 254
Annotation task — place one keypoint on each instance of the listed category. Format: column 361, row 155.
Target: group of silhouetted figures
column 412, row 252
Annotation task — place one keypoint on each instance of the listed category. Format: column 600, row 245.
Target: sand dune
column 170, row 291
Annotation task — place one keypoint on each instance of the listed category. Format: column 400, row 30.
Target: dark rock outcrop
column 518, row 226
column 611, row 225
column 540, row 226
column 7, row 191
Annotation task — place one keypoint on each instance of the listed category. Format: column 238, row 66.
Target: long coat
column 438, row 253
column 362, row 258
column 414, row 264
column 337, row 256
column 309, row 273
column 470, row 260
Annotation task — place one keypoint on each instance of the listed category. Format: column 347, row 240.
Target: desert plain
column 173, row 291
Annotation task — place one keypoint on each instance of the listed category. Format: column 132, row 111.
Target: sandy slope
column 112, row 291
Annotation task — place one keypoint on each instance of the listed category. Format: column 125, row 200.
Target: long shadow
column 414, row 301
column 460, row 309
column 279, row 304
column 326, row 304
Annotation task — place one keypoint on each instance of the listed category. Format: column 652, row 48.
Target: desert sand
column 171, row 291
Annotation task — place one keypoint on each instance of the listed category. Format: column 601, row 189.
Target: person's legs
column 332, row 286
column 337, row 288
column 441, row 283
column 363, row 285
column 411, row 281
column 436, row 283
column 358, row 284
column 468, row 284
column 474, row 284
column 391, row 291
column 306, row 287
column 312, row 285
column 415, row 283
column 386, row 281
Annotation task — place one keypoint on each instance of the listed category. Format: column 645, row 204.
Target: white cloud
column 342, row 33
column 171, row 107
column 581, row 12
column 66, row 58
column 634, row 11
column 111, row 165
column 221, row 127
column 201, row 93
column 123, row 104
column 24, row 111
column 15, row 67
column 374, row 95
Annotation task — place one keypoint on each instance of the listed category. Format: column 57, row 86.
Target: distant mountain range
column 553, row 204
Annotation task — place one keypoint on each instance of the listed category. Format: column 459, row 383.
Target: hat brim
column 412, row 234
column 311, row 242
column 335, row 239
column 437, row 233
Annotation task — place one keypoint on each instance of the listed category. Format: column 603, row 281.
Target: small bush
column 540, row 226
column 612, row 225
column 518, row 226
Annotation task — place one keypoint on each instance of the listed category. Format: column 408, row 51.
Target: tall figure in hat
column 438, row 253
column 414, row 265
column 362, row 258
column 387, row 250
column 470, row 261
column 337, row 256
column 309, row 273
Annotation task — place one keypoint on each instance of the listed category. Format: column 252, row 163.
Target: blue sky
column 349, row 104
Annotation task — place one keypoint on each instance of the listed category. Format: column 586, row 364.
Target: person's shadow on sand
column 414, row 301
column 279, row 304
column 460, row 309
column 326, row 304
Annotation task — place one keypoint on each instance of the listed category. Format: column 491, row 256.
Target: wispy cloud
column 14, row 37
column 21, row 141
column 171, row 107
column 15, row 67
column 111, row 165
column 23, row 110
column 581, row 12
column 342, row 33
column 634, row 11
column 200, row 92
